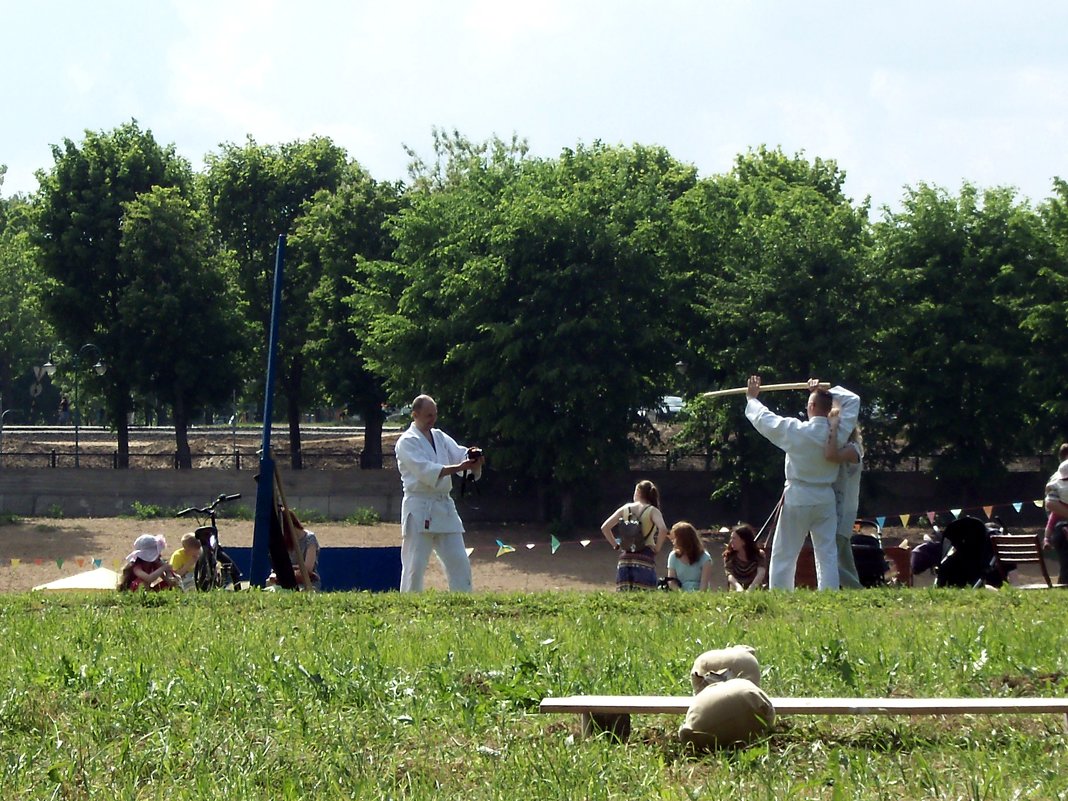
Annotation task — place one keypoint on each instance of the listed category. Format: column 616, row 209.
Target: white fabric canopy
column 101, row 578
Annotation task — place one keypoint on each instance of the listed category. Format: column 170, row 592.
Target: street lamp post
column 99, row 368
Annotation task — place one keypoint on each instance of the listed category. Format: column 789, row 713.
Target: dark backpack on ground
column 970, row 560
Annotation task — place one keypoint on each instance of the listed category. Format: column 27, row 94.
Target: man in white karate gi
column 808, row 500
column 428, row 458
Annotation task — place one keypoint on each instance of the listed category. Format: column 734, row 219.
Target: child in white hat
column 145, row 568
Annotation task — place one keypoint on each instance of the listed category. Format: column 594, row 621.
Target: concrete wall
column 498, row 497
column 104, row 493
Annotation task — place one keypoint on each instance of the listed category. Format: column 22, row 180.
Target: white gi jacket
column 426, row 497
column 809, row 474
column 847, row 493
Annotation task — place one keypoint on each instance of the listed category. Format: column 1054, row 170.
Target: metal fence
column 320, row 459
column 312, row 460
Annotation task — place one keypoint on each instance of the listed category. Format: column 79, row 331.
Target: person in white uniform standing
column 808, row 499
column 428, row 458
column 850, row 461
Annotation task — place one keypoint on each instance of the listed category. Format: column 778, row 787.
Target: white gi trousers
column 794, row 523
column 416, row 545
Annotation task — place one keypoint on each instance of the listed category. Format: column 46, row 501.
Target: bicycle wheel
column 206, row 572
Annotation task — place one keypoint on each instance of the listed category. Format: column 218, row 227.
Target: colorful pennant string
column 555, row 544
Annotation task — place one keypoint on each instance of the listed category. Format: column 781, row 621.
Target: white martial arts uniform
column 808, row 501
column 429, row 520
column 847, row 501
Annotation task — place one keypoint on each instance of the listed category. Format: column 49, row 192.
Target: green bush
column 55, row 510
column 235, row 511
column 364, row 516
column 150, row 511
column 9, row 519
column 310, row 516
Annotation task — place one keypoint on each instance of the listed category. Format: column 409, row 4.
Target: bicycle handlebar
column 207, row 510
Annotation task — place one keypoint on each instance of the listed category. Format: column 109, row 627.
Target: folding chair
column 901, row 560
column 1015, row 549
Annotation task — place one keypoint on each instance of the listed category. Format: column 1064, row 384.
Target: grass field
column 256, row 695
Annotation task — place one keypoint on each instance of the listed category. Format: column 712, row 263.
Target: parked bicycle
column 214, row 569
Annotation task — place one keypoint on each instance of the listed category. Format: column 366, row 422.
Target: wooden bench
column 612, row 712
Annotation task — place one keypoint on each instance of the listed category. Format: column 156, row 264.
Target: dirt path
column 36, row 551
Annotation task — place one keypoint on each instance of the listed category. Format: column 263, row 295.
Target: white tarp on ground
column 101, row 578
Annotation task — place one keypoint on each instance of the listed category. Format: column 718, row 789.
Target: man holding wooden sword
column 808, row 499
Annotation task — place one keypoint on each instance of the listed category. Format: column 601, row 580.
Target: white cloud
column 500, row 22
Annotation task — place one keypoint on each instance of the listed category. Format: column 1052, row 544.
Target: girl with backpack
column 636, row 569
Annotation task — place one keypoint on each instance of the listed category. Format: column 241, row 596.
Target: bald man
column 808, row 498
column 428, row 458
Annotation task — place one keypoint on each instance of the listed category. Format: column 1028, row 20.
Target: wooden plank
column 619, row 704
column 667, row 704
column 918, row 706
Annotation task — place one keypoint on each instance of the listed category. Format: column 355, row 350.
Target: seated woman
column 145, row 568
column 743, row 561
column 689, row 566
column 305, row 551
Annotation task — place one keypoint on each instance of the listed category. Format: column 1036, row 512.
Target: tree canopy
column 547, row 303
column 80, row 207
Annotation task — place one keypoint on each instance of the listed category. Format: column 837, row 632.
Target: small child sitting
column 184, row 560
column 145, row 568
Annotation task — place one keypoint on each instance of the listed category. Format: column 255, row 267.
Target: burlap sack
column 734, row 712
column 737, row 662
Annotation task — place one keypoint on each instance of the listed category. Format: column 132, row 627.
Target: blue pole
column 261, row 532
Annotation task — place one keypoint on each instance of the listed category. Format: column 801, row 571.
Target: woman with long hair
column 743, row 561
column 636, row 569
column 689, row 566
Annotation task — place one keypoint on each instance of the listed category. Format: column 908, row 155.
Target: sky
column 898, row 93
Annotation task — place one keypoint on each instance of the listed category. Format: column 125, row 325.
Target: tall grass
column 254, row 695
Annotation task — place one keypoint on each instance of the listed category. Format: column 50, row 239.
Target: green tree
column 256, row 193
column 777, row 274
column 531, row 297
column 339, row 237
column 952, row 340
column 178, row 307
column 1044, row 311
column 80, row 206
column 24, row 334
